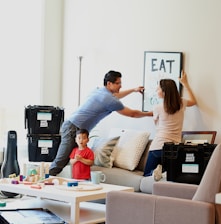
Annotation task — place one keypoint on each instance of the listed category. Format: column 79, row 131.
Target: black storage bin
column 43, row 119
column 186, row 163
column 43, row 147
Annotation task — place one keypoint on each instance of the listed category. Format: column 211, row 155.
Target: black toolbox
column 186, row 163
column 43, row 119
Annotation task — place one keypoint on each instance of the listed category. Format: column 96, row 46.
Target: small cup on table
column 97, row 177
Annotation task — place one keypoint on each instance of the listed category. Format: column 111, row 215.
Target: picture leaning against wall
column 159, row 65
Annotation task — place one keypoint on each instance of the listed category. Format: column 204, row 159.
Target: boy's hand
column 78, row 157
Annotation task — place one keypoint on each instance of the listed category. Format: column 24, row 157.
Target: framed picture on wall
column 159, row 65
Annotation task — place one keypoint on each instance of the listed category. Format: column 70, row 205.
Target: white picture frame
column 159, row 65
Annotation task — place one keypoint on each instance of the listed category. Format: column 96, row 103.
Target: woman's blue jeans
column 154, row 158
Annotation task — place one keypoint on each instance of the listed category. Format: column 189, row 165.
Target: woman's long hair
column 172, row 99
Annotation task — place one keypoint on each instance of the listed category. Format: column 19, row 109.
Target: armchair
column 171, row 203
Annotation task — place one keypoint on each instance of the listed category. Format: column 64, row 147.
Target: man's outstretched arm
column 124, row 93
column 135, row 113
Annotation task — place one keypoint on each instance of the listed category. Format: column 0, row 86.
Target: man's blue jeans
column 68, row 134
column 154, row 158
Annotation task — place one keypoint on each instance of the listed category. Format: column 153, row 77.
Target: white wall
column 52, row 39
column 31, row 59
column 114, row 35
column 20, row 59
column 109, row 35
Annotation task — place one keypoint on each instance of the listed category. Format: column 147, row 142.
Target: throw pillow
column 130, row 148
column 103, row 148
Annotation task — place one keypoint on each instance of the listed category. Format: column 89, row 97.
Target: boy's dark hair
column 111, row 76
column 82, row 131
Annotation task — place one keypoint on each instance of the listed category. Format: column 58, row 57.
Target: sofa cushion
column 143, row 159
column 103, row 148
column 146, row 185
column 129, row 149
column 118, row 176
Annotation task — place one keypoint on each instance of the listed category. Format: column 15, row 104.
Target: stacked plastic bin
column 43, row 124
column 186, row 163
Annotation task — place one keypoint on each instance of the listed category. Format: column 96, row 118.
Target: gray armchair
column 171, row 203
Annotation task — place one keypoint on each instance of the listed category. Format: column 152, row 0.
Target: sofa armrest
column 130, row 208
column 183, row 211
column 172, row 189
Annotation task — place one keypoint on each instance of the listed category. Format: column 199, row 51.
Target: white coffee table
column 70, row 204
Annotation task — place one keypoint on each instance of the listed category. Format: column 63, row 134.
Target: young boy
column 81, row 157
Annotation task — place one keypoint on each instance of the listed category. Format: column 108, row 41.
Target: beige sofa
column 133, row 176
column 171, row 202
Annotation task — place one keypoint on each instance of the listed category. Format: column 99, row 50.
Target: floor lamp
column 79, row 83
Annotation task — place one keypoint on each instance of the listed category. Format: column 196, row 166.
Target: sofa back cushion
column 130, row 147
column 103, row 148
column 143, row 159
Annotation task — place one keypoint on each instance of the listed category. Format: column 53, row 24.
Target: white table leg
column 75, row 212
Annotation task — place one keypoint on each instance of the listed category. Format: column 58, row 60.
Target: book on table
column 29, row 216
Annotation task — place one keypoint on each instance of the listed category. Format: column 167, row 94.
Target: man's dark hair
column 111, row 76
column 82, row 131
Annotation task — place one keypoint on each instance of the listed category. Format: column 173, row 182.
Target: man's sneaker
column 157, row 173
